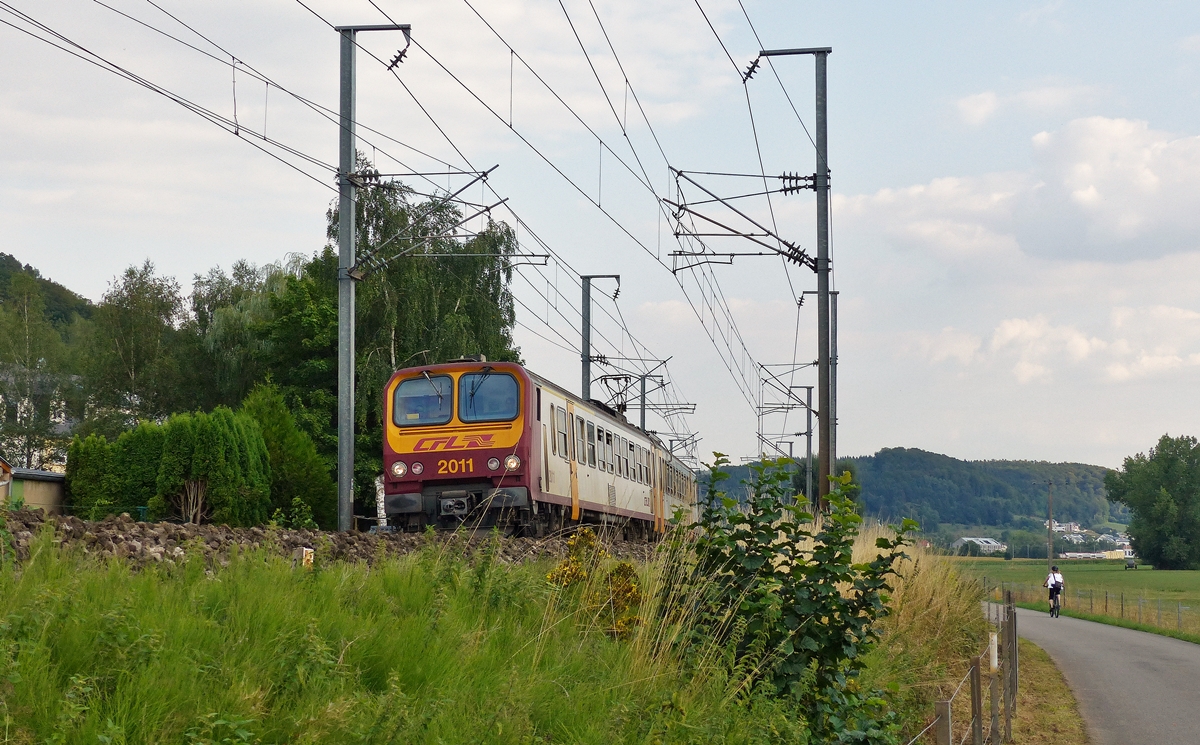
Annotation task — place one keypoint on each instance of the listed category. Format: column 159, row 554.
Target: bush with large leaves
column 777, row 589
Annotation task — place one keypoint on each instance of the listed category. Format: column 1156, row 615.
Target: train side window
column 600, row 447
column 591, row 444
column 631, row 462
column 580, row 441
column 563, row 441
column 608, row 451
column 553, row 439
column 625, row 456
column 617, row 446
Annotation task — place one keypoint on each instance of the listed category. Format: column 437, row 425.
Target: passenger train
column 472, row 443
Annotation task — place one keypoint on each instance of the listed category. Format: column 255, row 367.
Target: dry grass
column 934, row 628
column 1046, row 710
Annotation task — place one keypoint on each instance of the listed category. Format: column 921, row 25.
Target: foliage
column 33, row 385
column 297, row 471
column 299, row 517
column 780, row 591
column 130, row 365
column 1162, row 491
column 132, row 479
column 87, row 484
column 195, row 466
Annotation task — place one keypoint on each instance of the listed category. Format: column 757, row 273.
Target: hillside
column 938, row 489
column 61, row 304
column 933, row 488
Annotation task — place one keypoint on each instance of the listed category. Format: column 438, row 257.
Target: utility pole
column 833, row 365
column 1050, row 526
column 642, row 398
column 346, row 261
column 808, row 463
column 825, row 413
column 585, row 353
column 821, row 183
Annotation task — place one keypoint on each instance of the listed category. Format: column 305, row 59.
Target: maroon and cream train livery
column 483, row 444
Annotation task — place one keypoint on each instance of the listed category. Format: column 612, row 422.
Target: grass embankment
column 1046, row 710
column 429, row 647
column 1146, row 599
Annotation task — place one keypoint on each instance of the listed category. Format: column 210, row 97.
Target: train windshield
column 487, row 397
column 428, row 399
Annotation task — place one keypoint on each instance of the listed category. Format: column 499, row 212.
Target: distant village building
column 1063, row 527
column 33, row 488
column 986, row 545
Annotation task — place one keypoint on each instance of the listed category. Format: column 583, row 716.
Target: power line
column 221, row 121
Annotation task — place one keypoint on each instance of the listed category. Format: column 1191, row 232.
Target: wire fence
column 1128, row 606
column 991, row 697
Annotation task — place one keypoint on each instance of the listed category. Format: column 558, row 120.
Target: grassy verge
column 428, row 647
column 425, row 648
column 1125, row 623
column 1046, row 710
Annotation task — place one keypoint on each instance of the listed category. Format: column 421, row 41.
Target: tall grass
column 934, row 627
column 433, row 647
column 425, row 648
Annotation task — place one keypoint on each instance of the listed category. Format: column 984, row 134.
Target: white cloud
column 978, row 108
column 949, row 344
column 1107, row 189
column 1190, row 43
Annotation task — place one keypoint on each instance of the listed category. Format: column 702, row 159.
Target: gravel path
column 1132, row 686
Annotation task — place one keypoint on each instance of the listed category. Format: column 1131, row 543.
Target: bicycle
column 1055, row 603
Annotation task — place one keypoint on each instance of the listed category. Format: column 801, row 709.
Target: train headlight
column 512, row 463
column 399, row 469
column 417, row 468
column 493, row 464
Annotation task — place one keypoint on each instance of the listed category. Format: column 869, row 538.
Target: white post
column 993, row 652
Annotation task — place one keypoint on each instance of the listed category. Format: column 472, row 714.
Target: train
column 477, row 444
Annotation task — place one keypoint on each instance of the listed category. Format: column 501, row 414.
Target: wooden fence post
column 976, row 703
column 994, row 729
column 941, row 730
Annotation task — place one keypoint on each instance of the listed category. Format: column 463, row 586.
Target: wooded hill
column 933, row 488
column 938, row 490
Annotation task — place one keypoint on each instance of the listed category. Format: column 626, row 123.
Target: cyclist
column 1055, row 583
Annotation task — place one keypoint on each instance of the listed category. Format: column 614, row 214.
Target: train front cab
column 457, row 446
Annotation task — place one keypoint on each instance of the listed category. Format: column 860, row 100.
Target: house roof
column 32, row 474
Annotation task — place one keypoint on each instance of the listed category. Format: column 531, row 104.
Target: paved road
column 1132, row 687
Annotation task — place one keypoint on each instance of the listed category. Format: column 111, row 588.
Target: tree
column 1162, row 491
column 87, row 482
column 132, row 366
column 214, row 467
column 32, row 385
column 136, row 457
column 297, row 471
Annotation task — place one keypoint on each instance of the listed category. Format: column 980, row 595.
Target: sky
column 1015, row 209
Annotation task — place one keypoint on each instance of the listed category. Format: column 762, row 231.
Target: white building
column 986, row 545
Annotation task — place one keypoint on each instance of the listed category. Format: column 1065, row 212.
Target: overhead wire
column 744, row 385
column 83, row 53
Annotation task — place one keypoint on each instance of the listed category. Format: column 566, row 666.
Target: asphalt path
column 1132, row 686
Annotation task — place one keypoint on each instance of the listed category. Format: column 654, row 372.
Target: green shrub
column 777, row 590
column 88, row 486
column 297, row 470
column 133, row 475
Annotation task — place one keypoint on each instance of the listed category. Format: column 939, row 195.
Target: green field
column 1146, row 582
